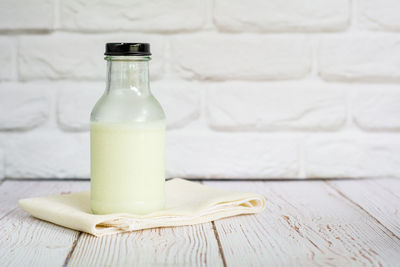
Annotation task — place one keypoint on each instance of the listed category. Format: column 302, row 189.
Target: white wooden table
column 306, row 223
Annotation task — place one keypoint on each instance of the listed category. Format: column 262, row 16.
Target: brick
column 353, row 157
column 74, row 104
column 379, row 14
column 47, row 155
column 255, row 106
column 31, row 15
column 23, row 106
column 76, row 100
column 216, row 155
column 278, row 15
column 74, row 56
column 138, row 16
column 180, row 101
column 377, row 108
column 360, row 58
column 7, row 55
column 249, row 57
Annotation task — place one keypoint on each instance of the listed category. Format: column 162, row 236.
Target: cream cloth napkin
column 186, row 203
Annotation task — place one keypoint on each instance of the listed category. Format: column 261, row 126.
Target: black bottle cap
column 127, row 49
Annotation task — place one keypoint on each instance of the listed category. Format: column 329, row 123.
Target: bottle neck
column 128, row 73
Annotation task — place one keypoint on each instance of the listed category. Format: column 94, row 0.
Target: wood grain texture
column 305, row 223
column 378, row 197
column 308, row 223
column 12, row 191
column 26, row 241
column 178, row 246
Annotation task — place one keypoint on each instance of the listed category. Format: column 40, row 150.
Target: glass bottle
column 127, row 136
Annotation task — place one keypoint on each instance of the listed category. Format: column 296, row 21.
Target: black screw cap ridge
column 127, row 49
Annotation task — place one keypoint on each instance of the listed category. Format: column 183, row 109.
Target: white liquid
column 127, row 167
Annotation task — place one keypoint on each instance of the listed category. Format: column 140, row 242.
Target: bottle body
column 127, row 135
column 127, row 167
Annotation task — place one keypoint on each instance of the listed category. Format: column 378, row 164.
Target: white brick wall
column 48, row 154
column 281, row 15
column 24, row 106
column 377, row 108
column 245, row 106
column 136, row 16
column 222, row 155
column 251, row 89
column 366, row 156
column 27, row 14
column 361, row 58
column 7, row 59
column 379, row 14
column 243, row 57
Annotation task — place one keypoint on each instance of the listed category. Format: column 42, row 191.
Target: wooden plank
column 26, row 241
column 306, row 223
column 176, row 246
column 11, row 191
column 378, row 197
